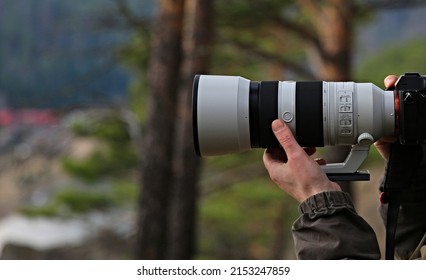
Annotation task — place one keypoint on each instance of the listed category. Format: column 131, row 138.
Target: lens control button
column 288, row 117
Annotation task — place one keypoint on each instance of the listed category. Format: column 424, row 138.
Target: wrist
column 312, row 191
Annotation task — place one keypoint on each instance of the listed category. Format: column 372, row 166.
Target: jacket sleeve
column 330, row 228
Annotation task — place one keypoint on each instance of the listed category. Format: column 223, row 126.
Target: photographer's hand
column 292, row 169
column 383, row 144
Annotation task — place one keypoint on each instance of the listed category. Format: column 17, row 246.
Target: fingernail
column 277, row 125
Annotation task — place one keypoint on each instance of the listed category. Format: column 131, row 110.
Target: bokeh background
column 96, row 157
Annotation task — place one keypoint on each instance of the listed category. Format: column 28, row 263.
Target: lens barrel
column 195, row 115
column 263, row 110
column 232, row 114
column 309, row 114
column 220, row 114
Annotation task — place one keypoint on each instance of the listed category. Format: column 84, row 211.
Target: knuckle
column 286, row 140
column 277, row 178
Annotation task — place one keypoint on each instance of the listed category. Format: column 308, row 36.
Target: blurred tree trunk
column 332, row 49
column 197, row 47
column 331, row 52
column 157, row 179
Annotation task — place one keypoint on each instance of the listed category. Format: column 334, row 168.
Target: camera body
column 411, row 96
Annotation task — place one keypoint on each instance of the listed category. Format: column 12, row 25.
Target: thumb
column 390, row 81
column 285, row 137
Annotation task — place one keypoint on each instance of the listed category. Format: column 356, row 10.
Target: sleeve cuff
column 326, row 203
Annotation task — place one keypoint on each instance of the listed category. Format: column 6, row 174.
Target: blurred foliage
column 397, row 59
column 135, row 55
column 81, row 201
column 73, row 200
column 101, row 164
column 109, row 127
column 243, row 215
column 251, row 41
column 240, row 222
column 114, row 157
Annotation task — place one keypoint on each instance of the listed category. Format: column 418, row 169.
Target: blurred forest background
column 96, row 152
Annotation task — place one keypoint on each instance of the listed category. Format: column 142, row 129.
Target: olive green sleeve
column 330, row 228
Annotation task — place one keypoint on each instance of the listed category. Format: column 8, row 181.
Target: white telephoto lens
column 221, row 114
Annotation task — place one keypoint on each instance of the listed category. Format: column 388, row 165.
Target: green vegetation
column 73, row 200
column 114, row 157
column 396, row 59
column 244, row 220
column 105, row 177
